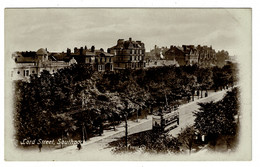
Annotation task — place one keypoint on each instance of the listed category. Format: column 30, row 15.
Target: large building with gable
column 129, row 54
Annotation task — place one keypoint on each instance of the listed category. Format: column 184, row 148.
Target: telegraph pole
column 136, row 115
column 126, row 133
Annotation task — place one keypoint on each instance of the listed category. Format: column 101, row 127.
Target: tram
column 165, row 120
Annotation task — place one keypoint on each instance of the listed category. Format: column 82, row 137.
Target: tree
column 217, row 119
column 63, row 124
column 204, row 79
column 222, row 56
column 186, row 137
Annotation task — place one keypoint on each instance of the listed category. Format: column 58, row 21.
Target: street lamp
column 126, row 130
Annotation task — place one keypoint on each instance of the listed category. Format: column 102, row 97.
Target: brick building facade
column 203, row 56
column 128, row 54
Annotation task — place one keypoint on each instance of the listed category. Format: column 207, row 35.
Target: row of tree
column 79, row 100
column 215, row 122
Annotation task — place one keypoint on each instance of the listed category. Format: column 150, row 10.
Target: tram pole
column 126, row 133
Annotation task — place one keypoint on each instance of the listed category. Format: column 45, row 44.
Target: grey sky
column 58, row 29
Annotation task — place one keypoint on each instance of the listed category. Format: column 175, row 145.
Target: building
column 100, row 60
column 128, row 54
column 157, row 53
column 28, row 63
column 203, row 56
column 207, row 56
column 176, row 53
column 160, row 63
column 191, row 54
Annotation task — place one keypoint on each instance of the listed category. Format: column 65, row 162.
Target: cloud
column 57, row 29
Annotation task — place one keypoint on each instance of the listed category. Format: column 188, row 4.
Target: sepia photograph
column 128, row 84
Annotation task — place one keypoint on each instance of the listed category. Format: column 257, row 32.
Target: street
column 185, row 111
column 99, row 143
column 95, row 146
column 186, row 118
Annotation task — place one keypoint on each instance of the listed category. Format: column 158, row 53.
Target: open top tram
column 165, row 120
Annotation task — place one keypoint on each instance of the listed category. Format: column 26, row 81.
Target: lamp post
column 126, row 130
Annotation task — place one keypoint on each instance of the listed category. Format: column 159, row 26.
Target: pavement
column 111, row 135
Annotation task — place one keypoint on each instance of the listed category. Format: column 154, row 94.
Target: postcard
column 128, row 84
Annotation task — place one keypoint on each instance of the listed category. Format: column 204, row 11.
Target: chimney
column 130, row 39
column 81, row 50
column 68, row 51
column 75, row 50
column 93, row 49
column 184, row 47
column 171, row 47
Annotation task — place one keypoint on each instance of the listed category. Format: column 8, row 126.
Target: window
column 90, row 59
column 133, row 65
column 99, row 67
column 26, row 72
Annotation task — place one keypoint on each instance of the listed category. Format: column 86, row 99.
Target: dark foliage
column 148, row 141
column 219, row 119
column 76, row 98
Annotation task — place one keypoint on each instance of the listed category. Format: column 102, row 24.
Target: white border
column 146, row 3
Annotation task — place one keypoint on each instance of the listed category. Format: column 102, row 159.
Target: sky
column 59, row 29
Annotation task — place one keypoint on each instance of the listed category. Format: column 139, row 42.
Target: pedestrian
column 79, row 146
column 40, row 147
column 188, row 98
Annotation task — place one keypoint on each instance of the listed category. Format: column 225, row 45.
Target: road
column 186, row 111
column 186, row 118
column 100, row 143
